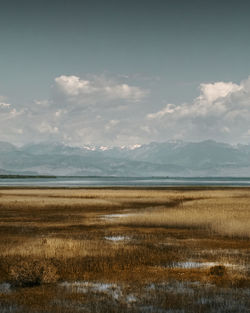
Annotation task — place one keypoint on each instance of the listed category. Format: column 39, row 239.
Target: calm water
column 124, row 181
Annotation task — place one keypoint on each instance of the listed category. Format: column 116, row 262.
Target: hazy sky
column 124, row 72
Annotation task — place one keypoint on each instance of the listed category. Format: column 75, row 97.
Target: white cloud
column 213, row 100
column 214, row 91
column 19, row 131
column 111, row 124
column 45, row 127
column 73, row 85
column 221, row 111
column 107, row 112
column 60, row 113
column 98, row 89
column 45, row 102
column 225, row 129
column 4, row 104
column 125, row 92
column 169, row 109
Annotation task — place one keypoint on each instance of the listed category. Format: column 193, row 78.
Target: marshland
column 124, row 250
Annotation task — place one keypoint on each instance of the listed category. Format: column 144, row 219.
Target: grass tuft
column 29, row 273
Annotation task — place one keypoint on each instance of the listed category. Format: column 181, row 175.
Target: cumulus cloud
column 44, row 102
column 45, row 127
column 98, row 89
column 4, row 104
column 73, row 85
column 168, row 109
column 96, row 110
column 7, row 111
column 105, row 112
column 213, row 91
column 111, row 124
column 221, row 111
column 214, row 99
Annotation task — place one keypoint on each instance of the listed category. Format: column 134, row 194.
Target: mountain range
column 172, row 158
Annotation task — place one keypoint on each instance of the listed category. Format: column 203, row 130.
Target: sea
column 80, row 181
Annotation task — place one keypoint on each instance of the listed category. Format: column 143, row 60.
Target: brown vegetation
column 143, row 244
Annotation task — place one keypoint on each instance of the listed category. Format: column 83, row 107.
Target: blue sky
column 122, row 73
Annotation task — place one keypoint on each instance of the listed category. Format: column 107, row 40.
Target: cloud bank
column 221, row 112
column 82, row 91
column 102, row 111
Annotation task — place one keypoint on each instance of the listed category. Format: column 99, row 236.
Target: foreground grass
column 224, row 216
column 124, row 250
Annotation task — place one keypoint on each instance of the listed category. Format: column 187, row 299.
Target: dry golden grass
column 224, row 214
column 61, row 248
column 54, row 235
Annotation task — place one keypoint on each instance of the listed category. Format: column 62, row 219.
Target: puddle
column 193, row 264
column 174, row 287
column 112, row 290
column 116, row 238
column 115, row 215
column 84, row 287
column 150, row 297
column 5, row 288
column 131, row 299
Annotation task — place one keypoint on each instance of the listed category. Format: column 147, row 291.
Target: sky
column 124, row 72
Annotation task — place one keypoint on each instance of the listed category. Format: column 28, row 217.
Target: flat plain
column 124, row 250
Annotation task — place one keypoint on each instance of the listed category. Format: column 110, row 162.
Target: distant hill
column 178, row 158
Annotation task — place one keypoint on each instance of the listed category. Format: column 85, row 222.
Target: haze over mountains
column 178, row 158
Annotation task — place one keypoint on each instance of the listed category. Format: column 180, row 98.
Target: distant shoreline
column 20, row 176
column 49, row 181
column 25, row 176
